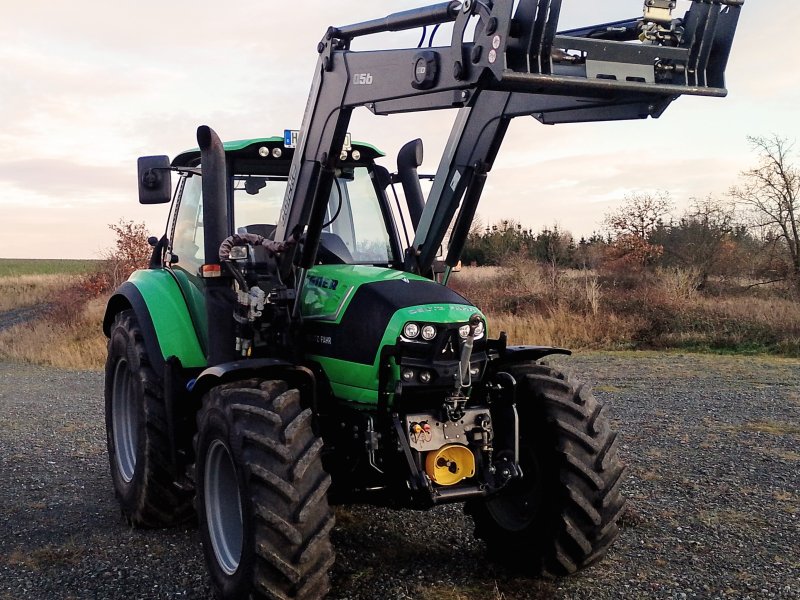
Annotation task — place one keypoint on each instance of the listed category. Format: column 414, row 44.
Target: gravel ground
column 713, row 445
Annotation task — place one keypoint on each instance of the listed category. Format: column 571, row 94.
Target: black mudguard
column 263, row 368
column 128, row 297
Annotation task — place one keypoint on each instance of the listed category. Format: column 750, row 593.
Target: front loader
column 294, row 345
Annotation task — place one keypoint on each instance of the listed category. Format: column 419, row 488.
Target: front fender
column 163, row 316
column 516, row 354
column 262, row 368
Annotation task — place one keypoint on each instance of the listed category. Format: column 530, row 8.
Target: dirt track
column 713, row 445
column 17, row 316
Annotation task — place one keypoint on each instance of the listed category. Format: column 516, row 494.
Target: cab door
column 185, row 251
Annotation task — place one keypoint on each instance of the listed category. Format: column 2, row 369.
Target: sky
column 87, row 86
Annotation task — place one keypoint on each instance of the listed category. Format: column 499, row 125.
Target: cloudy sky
column 87, row 86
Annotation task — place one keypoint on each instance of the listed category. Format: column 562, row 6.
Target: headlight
column 480, row 329
column 411, row 330
column 428, row 332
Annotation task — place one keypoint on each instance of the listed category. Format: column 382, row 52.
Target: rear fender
column 163, row 316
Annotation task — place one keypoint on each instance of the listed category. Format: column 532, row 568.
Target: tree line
column 752, row 232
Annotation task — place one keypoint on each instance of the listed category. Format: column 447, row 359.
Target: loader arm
column 516, row 64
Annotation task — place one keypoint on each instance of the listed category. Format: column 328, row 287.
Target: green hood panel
column 352, row 312
column 329, row 288
column 170, row 316
column 359, row 382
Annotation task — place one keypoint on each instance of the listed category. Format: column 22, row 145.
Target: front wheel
column 262, row 494
column 563, row 514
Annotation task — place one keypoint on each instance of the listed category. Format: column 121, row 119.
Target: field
column 15, row 267
column 50, row 313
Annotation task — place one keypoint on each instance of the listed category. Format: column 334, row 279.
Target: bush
column 131, row 251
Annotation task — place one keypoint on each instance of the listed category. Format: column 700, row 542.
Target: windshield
column 355, row 228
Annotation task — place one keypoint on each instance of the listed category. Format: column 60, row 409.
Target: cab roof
column 265, row 150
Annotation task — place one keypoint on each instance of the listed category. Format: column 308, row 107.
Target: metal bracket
column 659, row 11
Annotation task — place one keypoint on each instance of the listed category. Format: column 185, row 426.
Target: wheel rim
column 514, row 512
column 125, row 421
column 516, row 509
column 223, row 507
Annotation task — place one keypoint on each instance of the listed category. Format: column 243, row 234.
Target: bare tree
column 639, row 214
column 632, row 226
column 706, row 239
column 772, row 191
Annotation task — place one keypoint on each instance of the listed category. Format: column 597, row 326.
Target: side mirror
column 155, row 180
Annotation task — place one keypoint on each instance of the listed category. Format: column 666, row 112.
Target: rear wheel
column 563, row 514
column 262, row 494
column 136, row 432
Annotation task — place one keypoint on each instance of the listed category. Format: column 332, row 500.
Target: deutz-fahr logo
column 362, row 79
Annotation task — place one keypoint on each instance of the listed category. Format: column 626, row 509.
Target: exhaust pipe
column 219, row 310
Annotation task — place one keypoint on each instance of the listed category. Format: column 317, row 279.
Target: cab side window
column 187, row 235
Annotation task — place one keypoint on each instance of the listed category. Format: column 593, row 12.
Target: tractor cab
column 360, row 227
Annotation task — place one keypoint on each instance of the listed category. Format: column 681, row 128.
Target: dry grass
column 561, row 327
column 77, row 343
column 533, row 303
column 497, row 590
column 771, row 427
column 778, row 428
column 536, row 304
column 48, row 556
column 724, row 517
column 28, row 290
column 771, row 312
column 679, row 284
column 785, row 455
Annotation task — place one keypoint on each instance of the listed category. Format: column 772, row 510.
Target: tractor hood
column 351, row 312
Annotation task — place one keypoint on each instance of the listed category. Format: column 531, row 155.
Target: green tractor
column 294, row 345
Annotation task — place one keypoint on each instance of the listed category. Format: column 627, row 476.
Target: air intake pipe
column 408, row 159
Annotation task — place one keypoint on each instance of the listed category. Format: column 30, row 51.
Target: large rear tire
column 262, row 500
column 563, row 514
column 136, row 432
